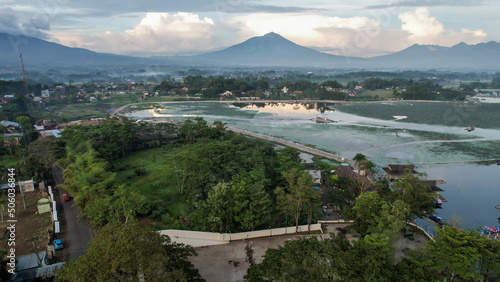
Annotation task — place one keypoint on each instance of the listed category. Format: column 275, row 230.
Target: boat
column 438, row 202
column 491, row 229
column 400, row 117
column 470, row 128
column 322, row 120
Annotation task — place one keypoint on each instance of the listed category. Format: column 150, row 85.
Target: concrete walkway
column 299, row 147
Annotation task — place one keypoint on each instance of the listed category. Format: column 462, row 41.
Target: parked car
column 65, row 197
column 58, row 244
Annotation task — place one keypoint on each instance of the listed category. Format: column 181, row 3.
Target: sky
column 358, row 28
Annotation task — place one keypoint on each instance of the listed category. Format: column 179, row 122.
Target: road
column 299, row 147
column 75, row 235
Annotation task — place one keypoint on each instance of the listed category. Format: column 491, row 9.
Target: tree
column 128, row 252
column 241, row 204
column 298, row 260
column 24, row 122
column 297, row 195
column 416, row 194
column 252, row 204
column 368, row 259
column 392, row 220
column 193, row 129
column 366, row 213
column 219, row 208
column 88, row 178
column 359, row 158
column 288, row 159
column 464, row 256
column 453, row 255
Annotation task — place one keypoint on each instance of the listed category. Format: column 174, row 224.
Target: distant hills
column 482, row 56
column 41, row 52
column 269, row 50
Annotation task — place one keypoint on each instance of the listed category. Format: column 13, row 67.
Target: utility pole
column 25, row 82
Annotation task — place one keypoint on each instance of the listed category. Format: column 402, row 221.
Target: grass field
column 100, row 109
column 155, row 185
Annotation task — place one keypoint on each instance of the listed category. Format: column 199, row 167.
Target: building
column 316, row 175
column 9, row 124
column 44, row 206
column 395, row 171
column 347, row 172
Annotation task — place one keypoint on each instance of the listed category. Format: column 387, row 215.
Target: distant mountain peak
column 272, row 34
column 270, row 49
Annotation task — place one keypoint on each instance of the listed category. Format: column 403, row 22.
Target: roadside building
column 44, row 206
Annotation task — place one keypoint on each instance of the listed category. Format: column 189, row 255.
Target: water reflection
column 286, row 108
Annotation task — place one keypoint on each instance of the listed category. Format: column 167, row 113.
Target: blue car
column 58, row 244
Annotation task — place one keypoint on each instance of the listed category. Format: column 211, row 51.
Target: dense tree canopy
column 122, row 252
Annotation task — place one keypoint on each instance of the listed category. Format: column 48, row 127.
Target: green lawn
column 82, row 111
column 155, row 185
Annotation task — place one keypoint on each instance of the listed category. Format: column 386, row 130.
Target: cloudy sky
column 174, row 27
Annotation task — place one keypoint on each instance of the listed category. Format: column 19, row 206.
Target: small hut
column 44, row 206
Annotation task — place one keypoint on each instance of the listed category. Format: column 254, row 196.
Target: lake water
column 424, row 133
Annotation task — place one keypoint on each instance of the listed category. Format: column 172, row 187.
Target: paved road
column 76, row 235
column 299, row 147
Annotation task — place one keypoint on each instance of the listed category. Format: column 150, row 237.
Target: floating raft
column 322, row 120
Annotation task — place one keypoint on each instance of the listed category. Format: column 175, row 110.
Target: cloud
column 420, row 23
column 424, row 29
column 156, row 34
column 305, row 29
column 427, row 3
column 12, row 23
column 240, row 6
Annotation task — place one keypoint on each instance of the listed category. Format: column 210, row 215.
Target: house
column 12, row 139
column 45, row 93
column 227, row 93
column 62, row 126
column 51, row 133
column 316, row 175
column 347, row 172
column 394, row 171
column 9, row 124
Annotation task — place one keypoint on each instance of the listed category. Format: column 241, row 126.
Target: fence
column 199, row 238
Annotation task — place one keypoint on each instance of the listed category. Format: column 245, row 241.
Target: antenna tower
column 25, row 82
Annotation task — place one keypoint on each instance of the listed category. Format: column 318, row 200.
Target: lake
column 430, row 135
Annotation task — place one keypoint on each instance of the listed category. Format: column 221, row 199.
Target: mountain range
column 271, row 50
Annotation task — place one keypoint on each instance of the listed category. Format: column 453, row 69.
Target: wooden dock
column 299, row 147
